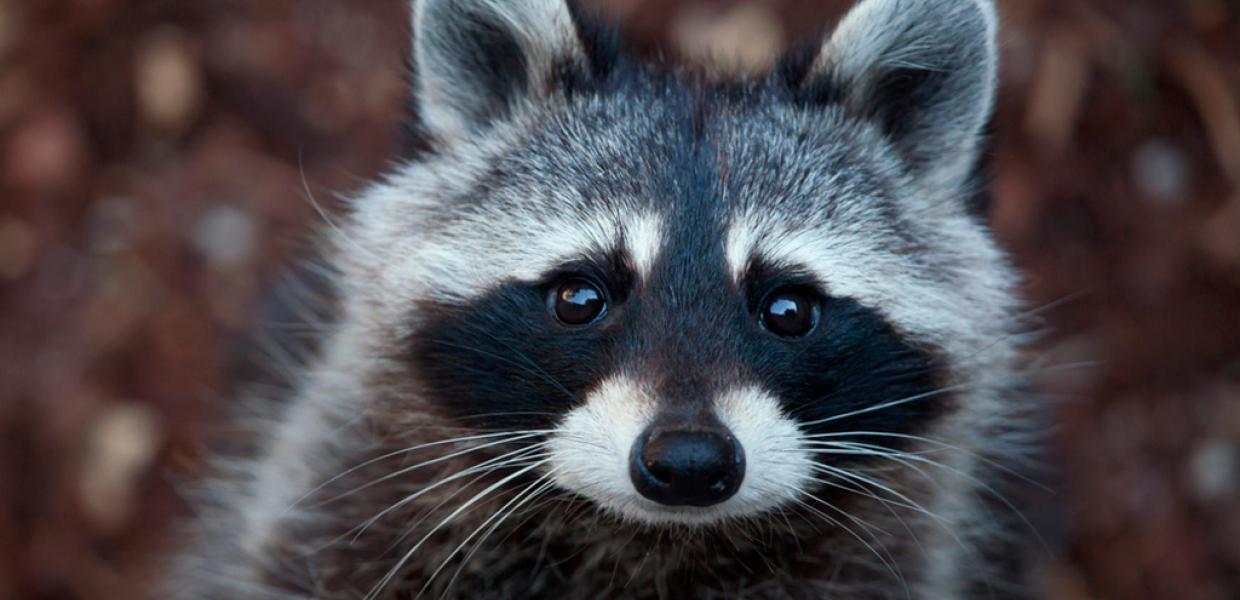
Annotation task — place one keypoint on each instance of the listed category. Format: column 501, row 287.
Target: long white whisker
column 904, row 458
column 917, row 438
column 870, row 481
column 481, row 470
column 886, row 405
column 409, row 450
column 863, row 492
column 374, row 592
column 531, row 491
column 406, row 470
column 521, row 461
column 887, row 561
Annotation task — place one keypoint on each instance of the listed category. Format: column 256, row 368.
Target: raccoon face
column 702, row 300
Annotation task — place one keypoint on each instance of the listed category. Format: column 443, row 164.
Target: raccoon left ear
column 924, row 71
column 476, row 61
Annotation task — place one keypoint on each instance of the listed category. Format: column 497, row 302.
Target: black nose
column 687, row 468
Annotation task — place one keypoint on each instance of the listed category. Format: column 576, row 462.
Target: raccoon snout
column 687, row 468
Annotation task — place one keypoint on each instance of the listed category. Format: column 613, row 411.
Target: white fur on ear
column 478, row 60
column 925, row 71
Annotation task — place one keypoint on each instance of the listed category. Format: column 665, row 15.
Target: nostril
column 694, row 468
column 660, row 472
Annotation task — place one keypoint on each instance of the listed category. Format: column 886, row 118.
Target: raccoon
column 629, row 330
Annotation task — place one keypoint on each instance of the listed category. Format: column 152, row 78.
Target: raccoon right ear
column 477, row 61
column 923, row 71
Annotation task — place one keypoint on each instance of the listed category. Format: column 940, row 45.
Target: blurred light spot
column 1214, row 468
column 122, row 445
column 1160, row 170
column 47, row 150
column 226, row 236
column 168, row 80
column 745, row 39
column 1058, row 91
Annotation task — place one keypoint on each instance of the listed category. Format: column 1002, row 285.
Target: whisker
column 318, row 208
column 870, row 481
column 531, row 491
column 885, row 405
column 529, row 366
column 989, row 489
column 406, row 470
column 888, row 561
column 484, row 468
column 917, row 438
column 403, row 451
column 400, row 564
column 412, row 527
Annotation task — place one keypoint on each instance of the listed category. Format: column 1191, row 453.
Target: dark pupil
column 789, row 315
column 578, row 303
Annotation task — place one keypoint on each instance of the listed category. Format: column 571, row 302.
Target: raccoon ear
column 924, row 71
column 477, row 60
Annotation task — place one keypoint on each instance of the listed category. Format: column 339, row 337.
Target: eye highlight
column 577, row 302
column 790, row 312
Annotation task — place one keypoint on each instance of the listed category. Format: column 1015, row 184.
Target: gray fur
column 526, row 177
column 478, row 60
column 940, row 56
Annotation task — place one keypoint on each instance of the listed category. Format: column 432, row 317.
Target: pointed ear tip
column 476, row 61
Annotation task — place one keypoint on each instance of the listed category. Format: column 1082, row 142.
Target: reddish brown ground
column 151, row 185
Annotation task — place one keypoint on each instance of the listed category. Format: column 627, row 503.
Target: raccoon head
column 701, row 300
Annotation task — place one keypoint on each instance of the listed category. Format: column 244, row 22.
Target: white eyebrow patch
column 643, row 236
column 849, row 260
column 476, row 253
column 739, row 247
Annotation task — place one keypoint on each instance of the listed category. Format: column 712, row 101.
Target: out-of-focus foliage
column 157, row 160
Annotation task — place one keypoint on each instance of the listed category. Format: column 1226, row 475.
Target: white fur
column 739, row 245
column 643, row 237
column 778, row 468
column 591, row 449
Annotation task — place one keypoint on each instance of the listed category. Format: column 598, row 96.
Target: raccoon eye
column 790, row 312
column 577, row 302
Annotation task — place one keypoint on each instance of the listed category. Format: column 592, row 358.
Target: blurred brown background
column 156, row 158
